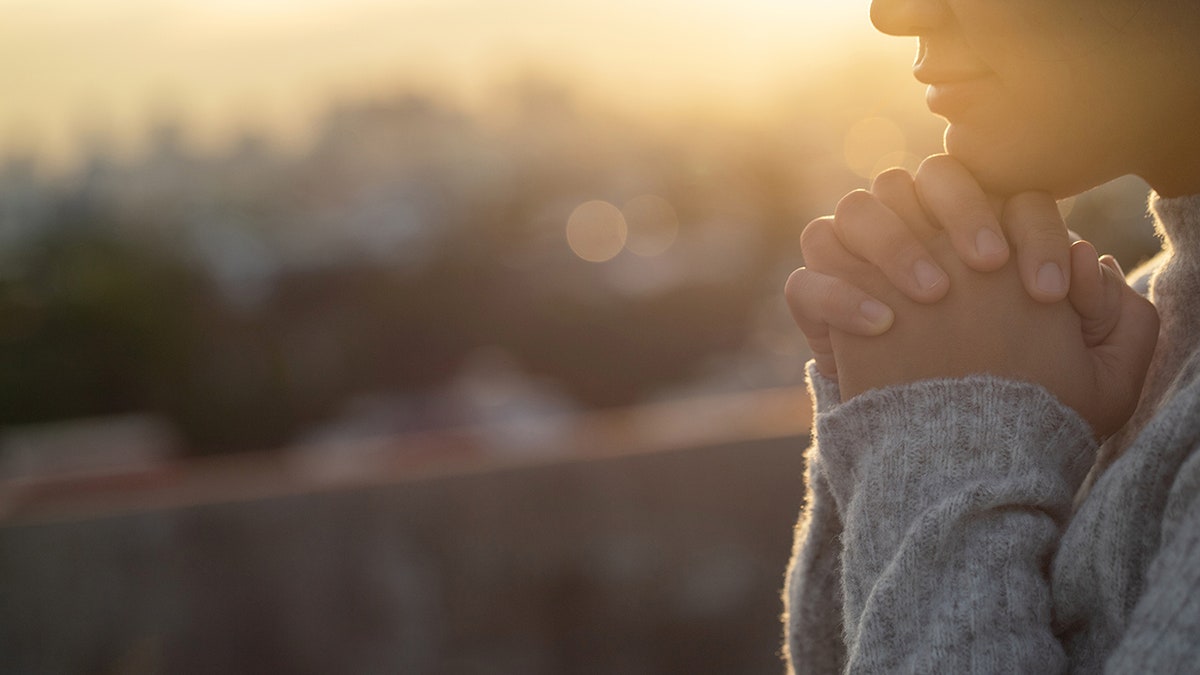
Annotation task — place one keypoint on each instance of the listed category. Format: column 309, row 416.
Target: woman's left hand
column 1091, row 350
column 902, row 211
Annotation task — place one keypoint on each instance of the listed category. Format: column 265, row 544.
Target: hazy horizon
column 72, row 70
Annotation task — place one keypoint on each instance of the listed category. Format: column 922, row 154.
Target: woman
column 972, row 367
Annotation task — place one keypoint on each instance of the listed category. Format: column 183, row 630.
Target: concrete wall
column 659, row 563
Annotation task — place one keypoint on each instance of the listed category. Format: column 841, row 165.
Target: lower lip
column 950, row 99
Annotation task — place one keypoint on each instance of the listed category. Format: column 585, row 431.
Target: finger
column 1095, row 294
column 953, row 198
column 824, row 251
column 1127, row 350
column 1112, row 262
column 873, row 232
column 897, row 191
column 1119, row 326
column 1137, row 325
column 1043, row 244
column 819, row 301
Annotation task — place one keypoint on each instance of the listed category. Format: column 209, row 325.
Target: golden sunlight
column 73, row 70
column 874, row 144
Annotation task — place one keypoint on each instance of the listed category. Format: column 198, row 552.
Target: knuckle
column 952, row 194
column 966, row 210
column 1035, row 214
column 813, row 299
column 816, row 238
column 1033, row 199
column 961, row 214
column 805, row 291
column 796, row 282
column 935, row 164
column 830, row 301
column 895, row 252
column 897, row 246
column 815, row 229
column 1045, row 235
column 891, row 180
column 851, row 203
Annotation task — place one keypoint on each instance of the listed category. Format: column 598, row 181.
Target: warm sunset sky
column 72, row 67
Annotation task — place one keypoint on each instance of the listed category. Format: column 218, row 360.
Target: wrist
column 935, row 432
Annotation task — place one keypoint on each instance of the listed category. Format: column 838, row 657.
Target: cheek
column 1047, row 31
column 994, row 160
column 1056, row 115
column 1020, row 148
column 1034, row 130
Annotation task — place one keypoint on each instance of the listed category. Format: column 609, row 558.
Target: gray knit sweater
column 939, row 533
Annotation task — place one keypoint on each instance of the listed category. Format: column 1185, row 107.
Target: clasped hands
column 914, row 280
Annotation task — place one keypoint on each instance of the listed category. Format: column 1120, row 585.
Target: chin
column 1006, row 168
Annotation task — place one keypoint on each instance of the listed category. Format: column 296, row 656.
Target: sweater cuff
column 916, row 441
column 826, row 394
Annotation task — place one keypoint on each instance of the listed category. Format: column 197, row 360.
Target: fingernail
column 877, row 314
column 927, row 274
column 988, row 244
column 1113, row 263
column 1051, row 280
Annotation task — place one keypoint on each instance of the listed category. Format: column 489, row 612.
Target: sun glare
column 875, row 144
column 70, row 66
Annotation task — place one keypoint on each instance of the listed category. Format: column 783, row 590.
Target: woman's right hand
column 903, row 212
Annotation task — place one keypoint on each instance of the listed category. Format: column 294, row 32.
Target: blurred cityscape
column 416, row 267
column 211, row 358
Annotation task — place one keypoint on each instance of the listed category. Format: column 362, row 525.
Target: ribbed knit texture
column 938, row 533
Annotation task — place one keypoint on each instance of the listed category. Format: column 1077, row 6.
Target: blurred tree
column 94, row 322
column 249, row 297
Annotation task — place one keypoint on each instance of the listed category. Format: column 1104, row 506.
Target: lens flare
column 870, row 139
column 596, row 231
column 653, row 225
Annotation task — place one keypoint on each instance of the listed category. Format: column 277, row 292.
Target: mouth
column 952, row 88
column 953, row 98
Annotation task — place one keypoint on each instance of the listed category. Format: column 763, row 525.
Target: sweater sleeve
column 1163, row 634
column 813, row 587
column 948, row 498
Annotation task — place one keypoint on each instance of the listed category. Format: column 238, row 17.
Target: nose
column 908, row 17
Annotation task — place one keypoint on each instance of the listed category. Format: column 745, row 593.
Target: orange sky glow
column 70, row 69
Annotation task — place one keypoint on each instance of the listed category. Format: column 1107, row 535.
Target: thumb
column 1124, row 357
column 1095, row 293
column 1120, row 328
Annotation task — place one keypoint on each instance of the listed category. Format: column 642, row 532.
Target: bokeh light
column 597, row 231
column 653, row 225
column 868, row 140
column 275, row 273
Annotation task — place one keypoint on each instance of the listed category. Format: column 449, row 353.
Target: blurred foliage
column 249, row 297
column 92, row 322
